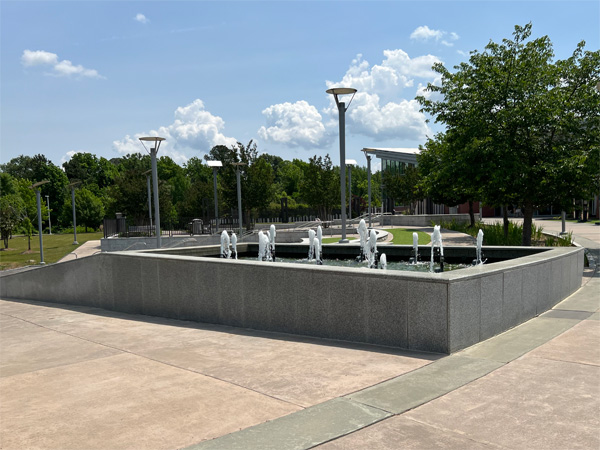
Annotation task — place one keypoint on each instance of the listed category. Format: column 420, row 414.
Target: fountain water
column 311, row 244
column 436, row 241
column 263, row 242
column 272, row 234
column 415, row 258
column 372, row 250
column 479, row 259
column 319, row 252
column 234, row 246
column 363, row 232
column 225, row 252
column 383, row 261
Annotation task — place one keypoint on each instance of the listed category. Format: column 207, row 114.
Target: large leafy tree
column 37, row 168
column 534, row 123
column 320, row 185
column 404, row 188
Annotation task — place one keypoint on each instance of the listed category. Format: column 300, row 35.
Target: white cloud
column 38, row 57
column 193, row 128
column 64, row 68
column 67, row 156
column 424, row 33
column 383, row 108
column 295, row 125
column 139, row 17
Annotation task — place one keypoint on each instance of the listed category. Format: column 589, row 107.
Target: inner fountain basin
column 436, row 312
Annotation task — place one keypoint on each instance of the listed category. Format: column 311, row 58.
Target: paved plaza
column 85, row 378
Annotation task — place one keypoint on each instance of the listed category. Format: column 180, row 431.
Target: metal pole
column 239, row 195
column 216, row 203
column 49, row 222
column 149, row 199
column 39, row 211
column 74, row 216
column 369, row 186
column 155, row 186
column 350, row 192
column 563, row 218
column 342, row 113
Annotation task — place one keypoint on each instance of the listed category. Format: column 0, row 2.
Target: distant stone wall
column 419, row 311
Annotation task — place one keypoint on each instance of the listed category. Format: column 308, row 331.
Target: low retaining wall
column 423, row 220
column 420, row 311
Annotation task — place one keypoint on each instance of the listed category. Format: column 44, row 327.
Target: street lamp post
column 72, row 186
column 350, row 163
column 215, row 166
column 239, row 192
column 39, row 213
column 153, row 151
column 147, row 173
column 369, row 184
column 48, row 206
column 342, row 119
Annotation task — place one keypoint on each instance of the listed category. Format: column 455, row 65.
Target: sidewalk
column 81, row 377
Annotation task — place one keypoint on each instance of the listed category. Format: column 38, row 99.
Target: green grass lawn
column 335, row 240
column 56, row 246
column 405, row 237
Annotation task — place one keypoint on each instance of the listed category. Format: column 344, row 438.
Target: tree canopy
column 520, row 127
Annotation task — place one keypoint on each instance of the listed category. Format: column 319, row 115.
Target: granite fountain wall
column 419, row 311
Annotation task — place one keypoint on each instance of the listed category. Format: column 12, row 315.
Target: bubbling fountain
column 436, row 241
column 383, row 261
column 311, row 244
column 319, row 251
column 225, row 252
column 415, row 257
column 272, row 234
column 372, row 250
column 363, row 232
column 234, row 246
column 479, row 257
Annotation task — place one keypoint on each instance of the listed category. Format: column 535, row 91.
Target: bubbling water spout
column 272, row 234
column 415, row 248
column 383, row 261
column 225, row 252
column 436, row 241
column 311, row 244
column 479, row 259
column 234, row 246
column 363, row 232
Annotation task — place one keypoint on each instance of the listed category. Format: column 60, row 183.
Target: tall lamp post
column 147, row 173
column 215, row 166
column 350, row 163
column 39, row 214
column 153, row 151
column 342, row 118
column 48, row 206
column 72, row 186
column 239, row 192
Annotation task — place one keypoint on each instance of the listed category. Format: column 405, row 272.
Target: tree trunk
column 29, row 242
column 527, row 222
column 471, row 214
column 505, row 221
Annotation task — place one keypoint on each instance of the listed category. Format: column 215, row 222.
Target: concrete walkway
column 80, row 377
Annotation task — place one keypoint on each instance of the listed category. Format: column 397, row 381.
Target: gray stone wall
column 421, row 220
column 420, row 311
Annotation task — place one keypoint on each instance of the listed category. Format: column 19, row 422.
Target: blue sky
column 92, row 76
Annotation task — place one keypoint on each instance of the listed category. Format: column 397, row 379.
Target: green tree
column 533, row 122
column 37, row 168
column 88, row 207
column 404, row 188
column 11, row 215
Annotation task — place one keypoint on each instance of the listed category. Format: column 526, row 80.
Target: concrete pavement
column 75, row 377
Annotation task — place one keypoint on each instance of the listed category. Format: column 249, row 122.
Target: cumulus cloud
column 139, row 17
column 64, row 68
column 383, row 108
column 193, row 128
column 424, row 33
column 294, row 124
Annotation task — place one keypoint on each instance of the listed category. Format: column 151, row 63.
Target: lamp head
column 157, row 140
column 341, row 91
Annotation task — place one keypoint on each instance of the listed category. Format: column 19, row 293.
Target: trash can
column 197, row 226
